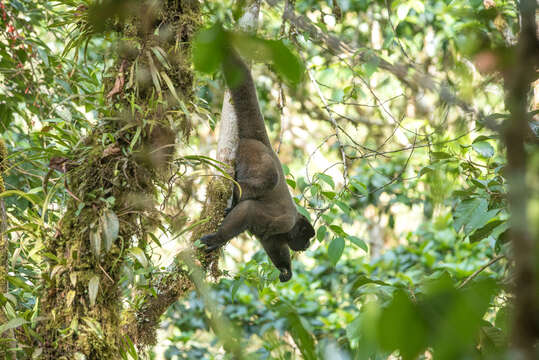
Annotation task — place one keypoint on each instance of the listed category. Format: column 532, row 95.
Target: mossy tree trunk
column 113, row 188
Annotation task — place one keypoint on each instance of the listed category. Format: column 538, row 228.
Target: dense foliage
column 389, row 116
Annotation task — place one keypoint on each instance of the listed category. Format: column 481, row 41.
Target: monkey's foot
column 212, row 242
column 285, row 275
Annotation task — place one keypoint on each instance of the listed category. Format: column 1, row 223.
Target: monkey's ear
column 298, row 237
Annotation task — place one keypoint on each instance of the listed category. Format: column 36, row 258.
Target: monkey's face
column 298, row 237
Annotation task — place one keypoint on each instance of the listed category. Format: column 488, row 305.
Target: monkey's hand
column 212, row 242
column 285, row 275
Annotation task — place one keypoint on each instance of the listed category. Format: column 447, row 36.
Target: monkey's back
column 259, row 173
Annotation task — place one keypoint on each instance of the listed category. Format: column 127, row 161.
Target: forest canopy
column 408, row 134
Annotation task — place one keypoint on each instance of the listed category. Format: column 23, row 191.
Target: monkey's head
column 298, row 237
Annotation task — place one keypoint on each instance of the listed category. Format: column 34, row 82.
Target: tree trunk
column 525, row 249
column 114, row 185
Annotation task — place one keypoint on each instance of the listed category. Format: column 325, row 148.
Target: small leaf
column 321, row 233
column 359, row 186
column 19, row 283
column 139, row 255
column 70, row 297
column 360, row 243
column 484, row 149
column 93, row 288
column 95, row 242
column 110, row 227
column 329, row 194
column 170, row 86
column 161, row 56
column 343, row 206
column 363, row 280
column 425, row 170
column 327, row 179
column 440, row 155
column 335, row 249
column 337, row 230
column 291, row 183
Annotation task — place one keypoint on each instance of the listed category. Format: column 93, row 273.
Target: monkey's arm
column 278, row 252
column 237, row 221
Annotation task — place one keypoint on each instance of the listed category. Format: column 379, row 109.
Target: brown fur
column 266, row 207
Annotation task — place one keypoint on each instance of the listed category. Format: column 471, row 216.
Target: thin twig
column 471, row 277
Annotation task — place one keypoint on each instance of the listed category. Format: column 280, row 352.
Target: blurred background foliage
column 392, row 148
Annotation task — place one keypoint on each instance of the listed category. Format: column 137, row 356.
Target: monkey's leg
column 237, row 221
column 280, row 256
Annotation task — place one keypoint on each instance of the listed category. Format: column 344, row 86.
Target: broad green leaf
column 93, row 288
column 207, row 49
column 335, row 249
column 401, row 327
column 478, row 220
column 329, row 194
column 359, row 186
column 300, row 331
column 291, row 183
column 371, row 66
column 286, row 63
column 467, row 210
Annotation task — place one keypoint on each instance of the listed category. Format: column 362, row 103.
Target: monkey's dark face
column 298, row 237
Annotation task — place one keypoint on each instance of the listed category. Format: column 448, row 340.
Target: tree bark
column 525, row 249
